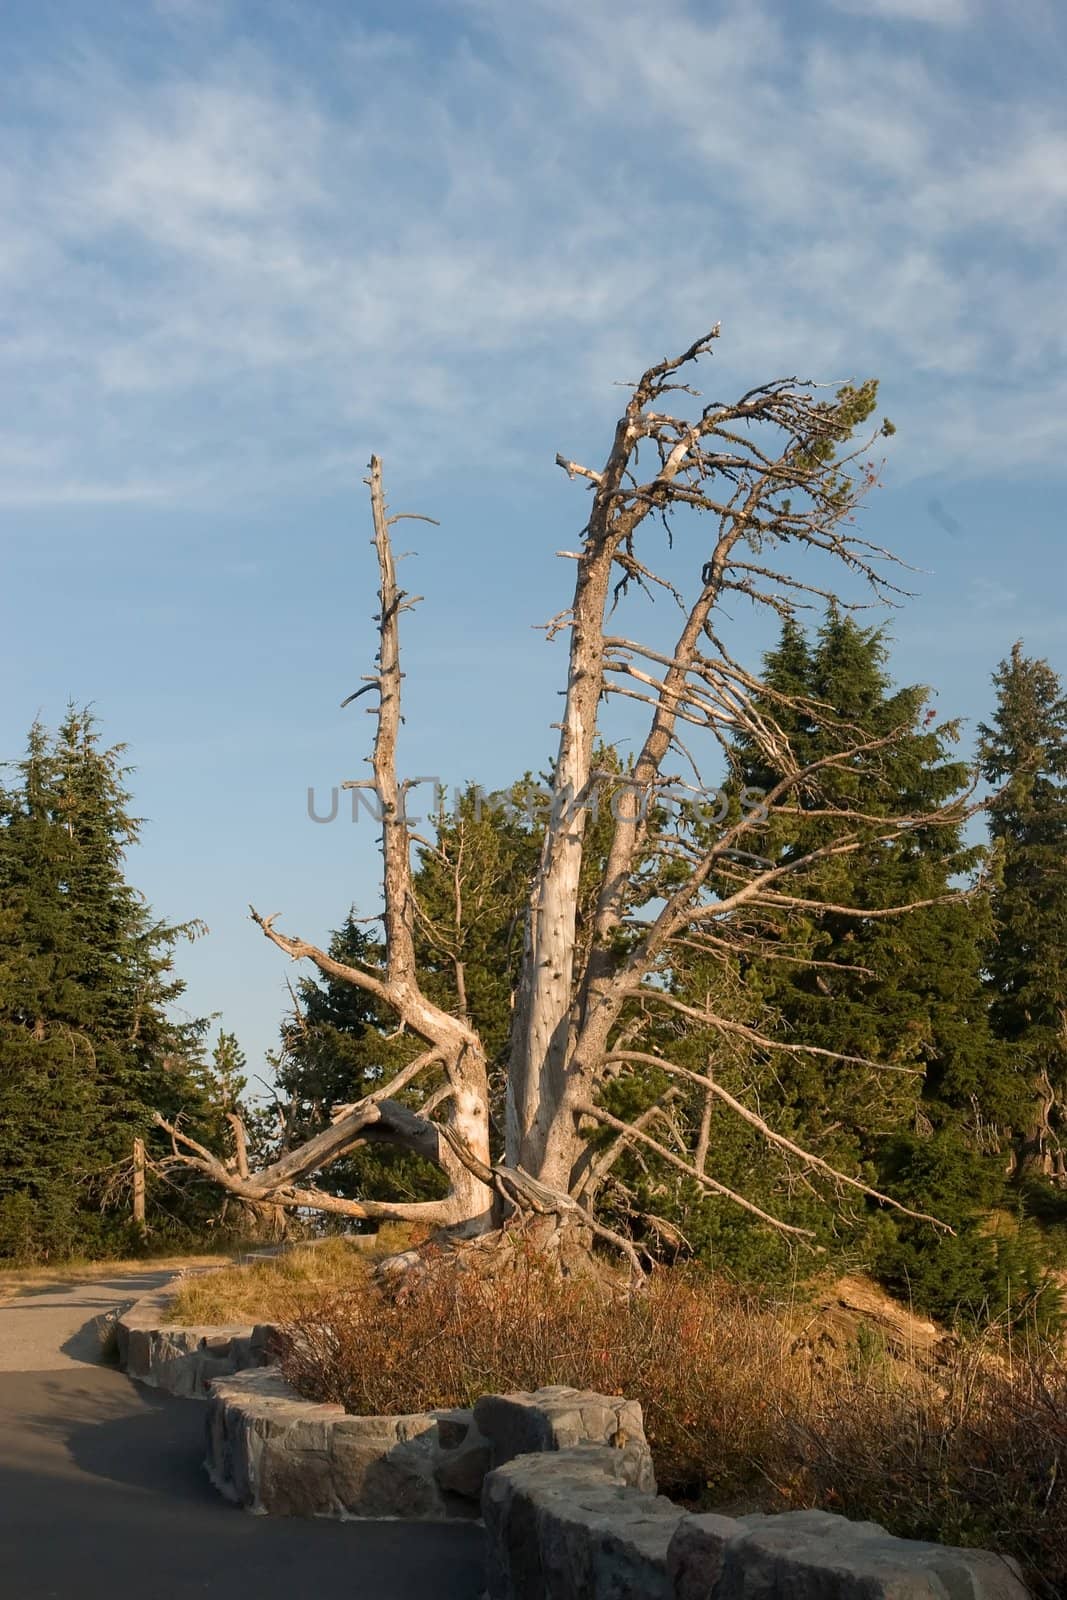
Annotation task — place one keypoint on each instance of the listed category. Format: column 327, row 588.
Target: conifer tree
column 904, row 992
column 88, row 1048
column 1024, row 752
column 49, row 1088
column 471, row 886
column 228, row 1074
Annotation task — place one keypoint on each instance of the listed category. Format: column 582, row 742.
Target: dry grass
column 278, row 1287
column 739, row 1412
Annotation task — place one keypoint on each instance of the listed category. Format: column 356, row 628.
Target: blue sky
column 245, row 244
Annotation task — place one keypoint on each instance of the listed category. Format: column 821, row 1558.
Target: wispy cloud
column 15, row 495
column 224, row 273
column 940, row 12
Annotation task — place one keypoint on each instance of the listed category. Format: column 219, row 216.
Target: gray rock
column 462, row 1465
column 217, row 1344
column 384, row 1466
column 184, row 1360
column 514, row 1425
column 696, row 1554
column 208, row 1368
column 566, row 1523
column 294, row 1483
column 401, row 1483
column 808, row 1555
column 270, row 1450
column 261, row 1437
column 558, row 1418
column 453, row 1427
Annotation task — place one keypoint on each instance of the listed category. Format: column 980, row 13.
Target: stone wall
column 563, row 1527
column 269, row 1450
column 563, row 1479
column 185, row 1360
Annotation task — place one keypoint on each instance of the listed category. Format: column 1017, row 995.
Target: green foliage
column 226, row 1080
column 471, row 887
column 993, row 1266
column 932, row 1125
column 1024, row 752
column 902, row 991
column 88, row 1048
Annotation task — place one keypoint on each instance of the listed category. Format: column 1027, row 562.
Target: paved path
column 51, row 1329
column 102, row 1493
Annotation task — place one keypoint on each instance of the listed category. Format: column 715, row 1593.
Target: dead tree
column 765, row 490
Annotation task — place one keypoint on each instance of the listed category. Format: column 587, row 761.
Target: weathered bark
column 453, row 1046
column 769, row 472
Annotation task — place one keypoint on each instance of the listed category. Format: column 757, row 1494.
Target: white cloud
column 223, row 275
column 43, row 493
column 941, row 12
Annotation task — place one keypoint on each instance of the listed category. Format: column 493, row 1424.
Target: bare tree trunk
column 767, row 474
column 536, row 1083
column 138, row 1185
column 459, row 1143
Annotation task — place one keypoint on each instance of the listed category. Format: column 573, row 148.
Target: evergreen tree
column 88, row 1049
column 903, row 991
column 471, row 885
column 49, row 1091
column 1024, row 751
column 228, row 1075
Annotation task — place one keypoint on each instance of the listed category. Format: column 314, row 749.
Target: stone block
column 559, row 1418
column 461, row 1467
column 808, row 1555
column 453, row 1427
column 209, row 1369
column 514, row 1424
column 294, row 1483
column 565, row 1523
column 217, row 1344
column 696, row 1554
column 183, row 1360
column 385, row 1467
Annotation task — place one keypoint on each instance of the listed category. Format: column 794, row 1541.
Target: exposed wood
column 138, row 1183
column 768, row 486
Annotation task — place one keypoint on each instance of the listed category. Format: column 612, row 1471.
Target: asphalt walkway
column 102, row 1493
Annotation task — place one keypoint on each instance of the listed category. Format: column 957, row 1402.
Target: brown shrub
column 738, row 1412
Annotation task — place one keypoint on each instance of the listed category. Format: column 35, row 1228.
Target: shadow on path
column 102, row 1493
column 93, row 1293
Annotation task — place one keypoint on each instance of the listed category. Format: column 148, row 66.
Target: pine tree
column 1024, row 752
column 49, row 1091
column 471, row 887
column 88, row 1048
column 226, row 1079
column 902, row 991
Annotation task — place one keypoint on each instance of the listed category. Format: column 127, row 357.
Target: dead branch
column 742, row 1030
column 739, row 1109
column 638, row 1134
